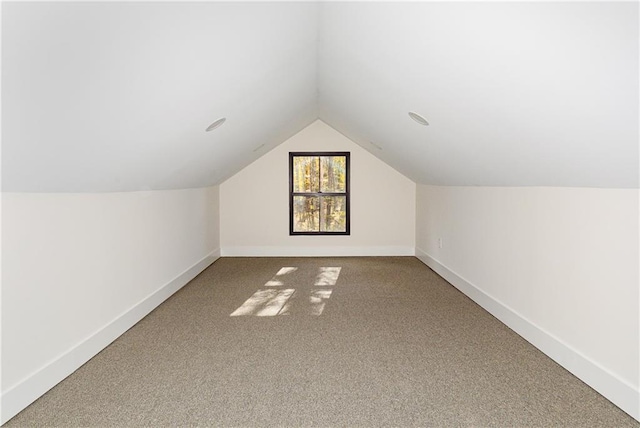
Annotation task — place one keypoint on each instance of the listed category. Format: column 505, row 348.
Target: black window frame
column 346, row 193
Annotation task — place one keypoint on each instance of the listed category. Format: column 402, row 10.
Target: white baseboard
column 616, row 390
column 31, row 388
column 316, row 251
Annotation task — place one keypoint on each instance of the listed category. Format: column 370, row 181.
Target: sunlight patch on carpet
column 264, row 303
column 328, row 276
column 287, row 301
column 276, row 281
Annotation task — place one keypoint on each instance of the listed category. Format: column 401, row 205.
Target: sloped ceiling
column 116, row 96
column 516, row 93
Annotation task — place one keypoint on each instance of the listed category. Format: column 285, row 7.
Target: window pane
column 334, row 174
column 306, row 214
column 333, row 214
column 306, row 174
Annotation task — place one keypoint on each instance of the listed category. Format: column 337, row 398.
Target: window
column 319, row 193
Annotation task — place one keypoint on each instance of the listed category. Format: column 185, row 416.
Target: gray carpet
column 394, row 345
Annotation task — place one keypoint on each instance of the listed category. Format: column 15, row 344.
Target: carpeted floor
column 383, row 341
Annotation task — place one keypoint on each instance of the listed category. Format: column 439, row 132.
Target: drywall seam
column 277, row 251
column 612, row 387
column 19, row 396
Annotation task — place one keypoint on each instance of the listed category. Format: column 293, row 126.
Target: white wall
column 558, row 265
column 80, row 269
column 254, row 204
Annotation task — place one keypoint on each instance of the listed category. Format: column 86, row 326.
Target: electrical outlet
column 440, row 242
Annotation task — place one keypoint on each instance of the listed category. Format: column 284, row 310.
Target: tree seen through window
column 319, row 193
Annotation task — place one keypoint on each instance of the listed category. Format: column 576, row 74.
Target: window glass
column 319, row 193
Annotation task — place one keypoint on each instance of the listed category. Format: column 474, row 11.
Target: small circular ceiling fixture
column 421, row 120
column 216, row 124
